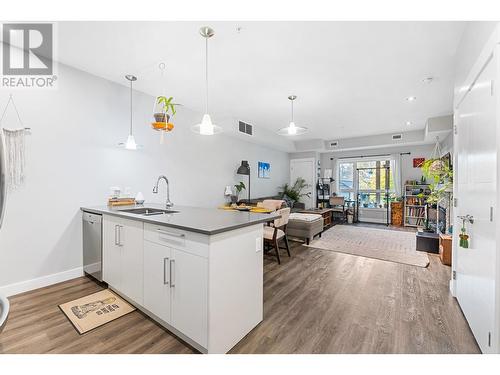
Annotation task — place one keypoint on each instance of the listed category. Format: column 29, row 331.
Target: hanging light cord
column 131, row 107
column 206, row 73
column 292, row 110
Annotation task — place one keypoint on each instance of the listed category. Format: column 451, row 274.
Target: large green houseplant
column 295, row 191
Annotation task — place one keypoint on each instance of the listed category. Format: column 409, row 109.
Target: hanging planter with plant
column 439, row 175
column 164, row 109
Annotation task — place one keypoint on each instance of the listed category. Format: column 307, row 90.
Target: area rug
column 94, row 310
column 384, row 244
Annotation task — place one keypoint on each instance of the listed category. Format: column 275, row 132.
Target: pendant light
column 292, row 129
column 206, row 127
column 130, row 143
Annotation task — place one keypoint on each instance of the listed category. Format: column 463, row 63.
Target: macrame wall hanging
column 15, row 149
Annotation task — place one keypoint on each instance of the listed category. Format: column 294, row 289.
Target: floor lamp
column 244, row 169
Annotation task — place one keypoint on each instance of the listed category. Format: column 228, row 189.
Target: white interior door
column 304, row 168
column 475, row 190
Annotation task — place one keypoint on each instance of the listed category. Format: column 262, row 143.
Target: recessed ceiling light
column 409, row 123
column 428, row 80
column 411, row 98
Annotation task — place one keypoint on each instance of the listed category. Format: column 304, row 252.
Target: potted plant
column 294, row 192
column 164, row 109
column 440, row 177
column 239, row 188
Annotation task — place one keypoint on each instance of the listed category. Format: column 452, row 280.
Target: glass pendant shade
column 292, row 129
column 207, row 127
column 130, row 144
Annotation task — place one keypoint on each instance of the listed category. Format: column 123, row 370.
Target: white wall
column 72, row 161
column 475, row 36
column 447, row 145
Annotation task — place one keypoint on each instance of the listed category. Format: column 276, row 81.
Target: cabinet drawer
column 190, row 242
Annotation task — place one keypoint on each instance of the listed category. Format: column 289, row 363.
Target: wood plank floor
column 315, row 302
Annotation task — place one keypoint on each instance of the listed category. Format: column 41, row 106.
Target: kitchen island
column 196, row 271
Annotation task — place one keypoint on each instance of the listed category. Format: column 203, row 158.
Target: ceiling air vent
column 245, row 128
column 397, row 137
column 333, row 144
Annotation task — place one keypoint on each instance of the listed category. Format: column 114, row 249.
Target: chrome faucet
column 168, row 204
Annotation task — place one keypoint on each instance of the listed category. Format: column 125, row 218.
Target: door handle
column 165, row 281
column 468, row 218
column 172, row 267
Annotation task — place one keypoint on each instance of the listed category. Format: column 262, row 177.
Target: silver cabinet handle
column 165, row 281
column 120, row 227
column 172, row 267
column 116, row 235
column 180, row 235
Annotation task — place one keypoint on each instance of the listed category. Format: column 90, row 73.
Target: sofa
column 297, row 206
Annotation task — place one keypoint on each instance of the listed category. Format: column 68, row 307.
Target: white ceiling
column 351, row 78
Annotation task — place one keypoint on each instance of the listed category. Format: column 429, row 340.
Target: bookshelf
column 415, row 211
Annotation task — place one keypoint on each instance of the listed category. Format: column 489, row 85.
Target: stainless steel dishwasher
column 92, row 245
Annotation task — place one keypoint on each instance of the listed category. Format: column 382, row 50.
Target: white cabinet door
column 131, row 237
column 111, row 252
column 123, row 256
column 189, row 294
column 157, row 279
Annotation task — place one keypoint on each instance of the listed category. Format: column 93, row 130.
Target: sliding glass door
column 370, row 182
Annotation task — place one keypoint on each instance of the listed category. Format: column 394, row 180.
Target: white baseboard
column 25, row 286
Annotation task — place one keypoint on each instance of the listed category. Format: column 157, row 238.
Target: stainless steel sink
column 148, row 211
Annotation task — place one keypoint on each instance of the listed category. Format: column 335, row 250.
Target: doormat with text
column 94, row 310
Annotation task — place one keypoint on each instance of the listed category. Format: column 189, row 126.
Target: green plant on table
column 240, row 187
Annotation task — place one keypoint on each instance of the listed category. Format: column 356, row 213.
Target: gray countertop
column 201, row 220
